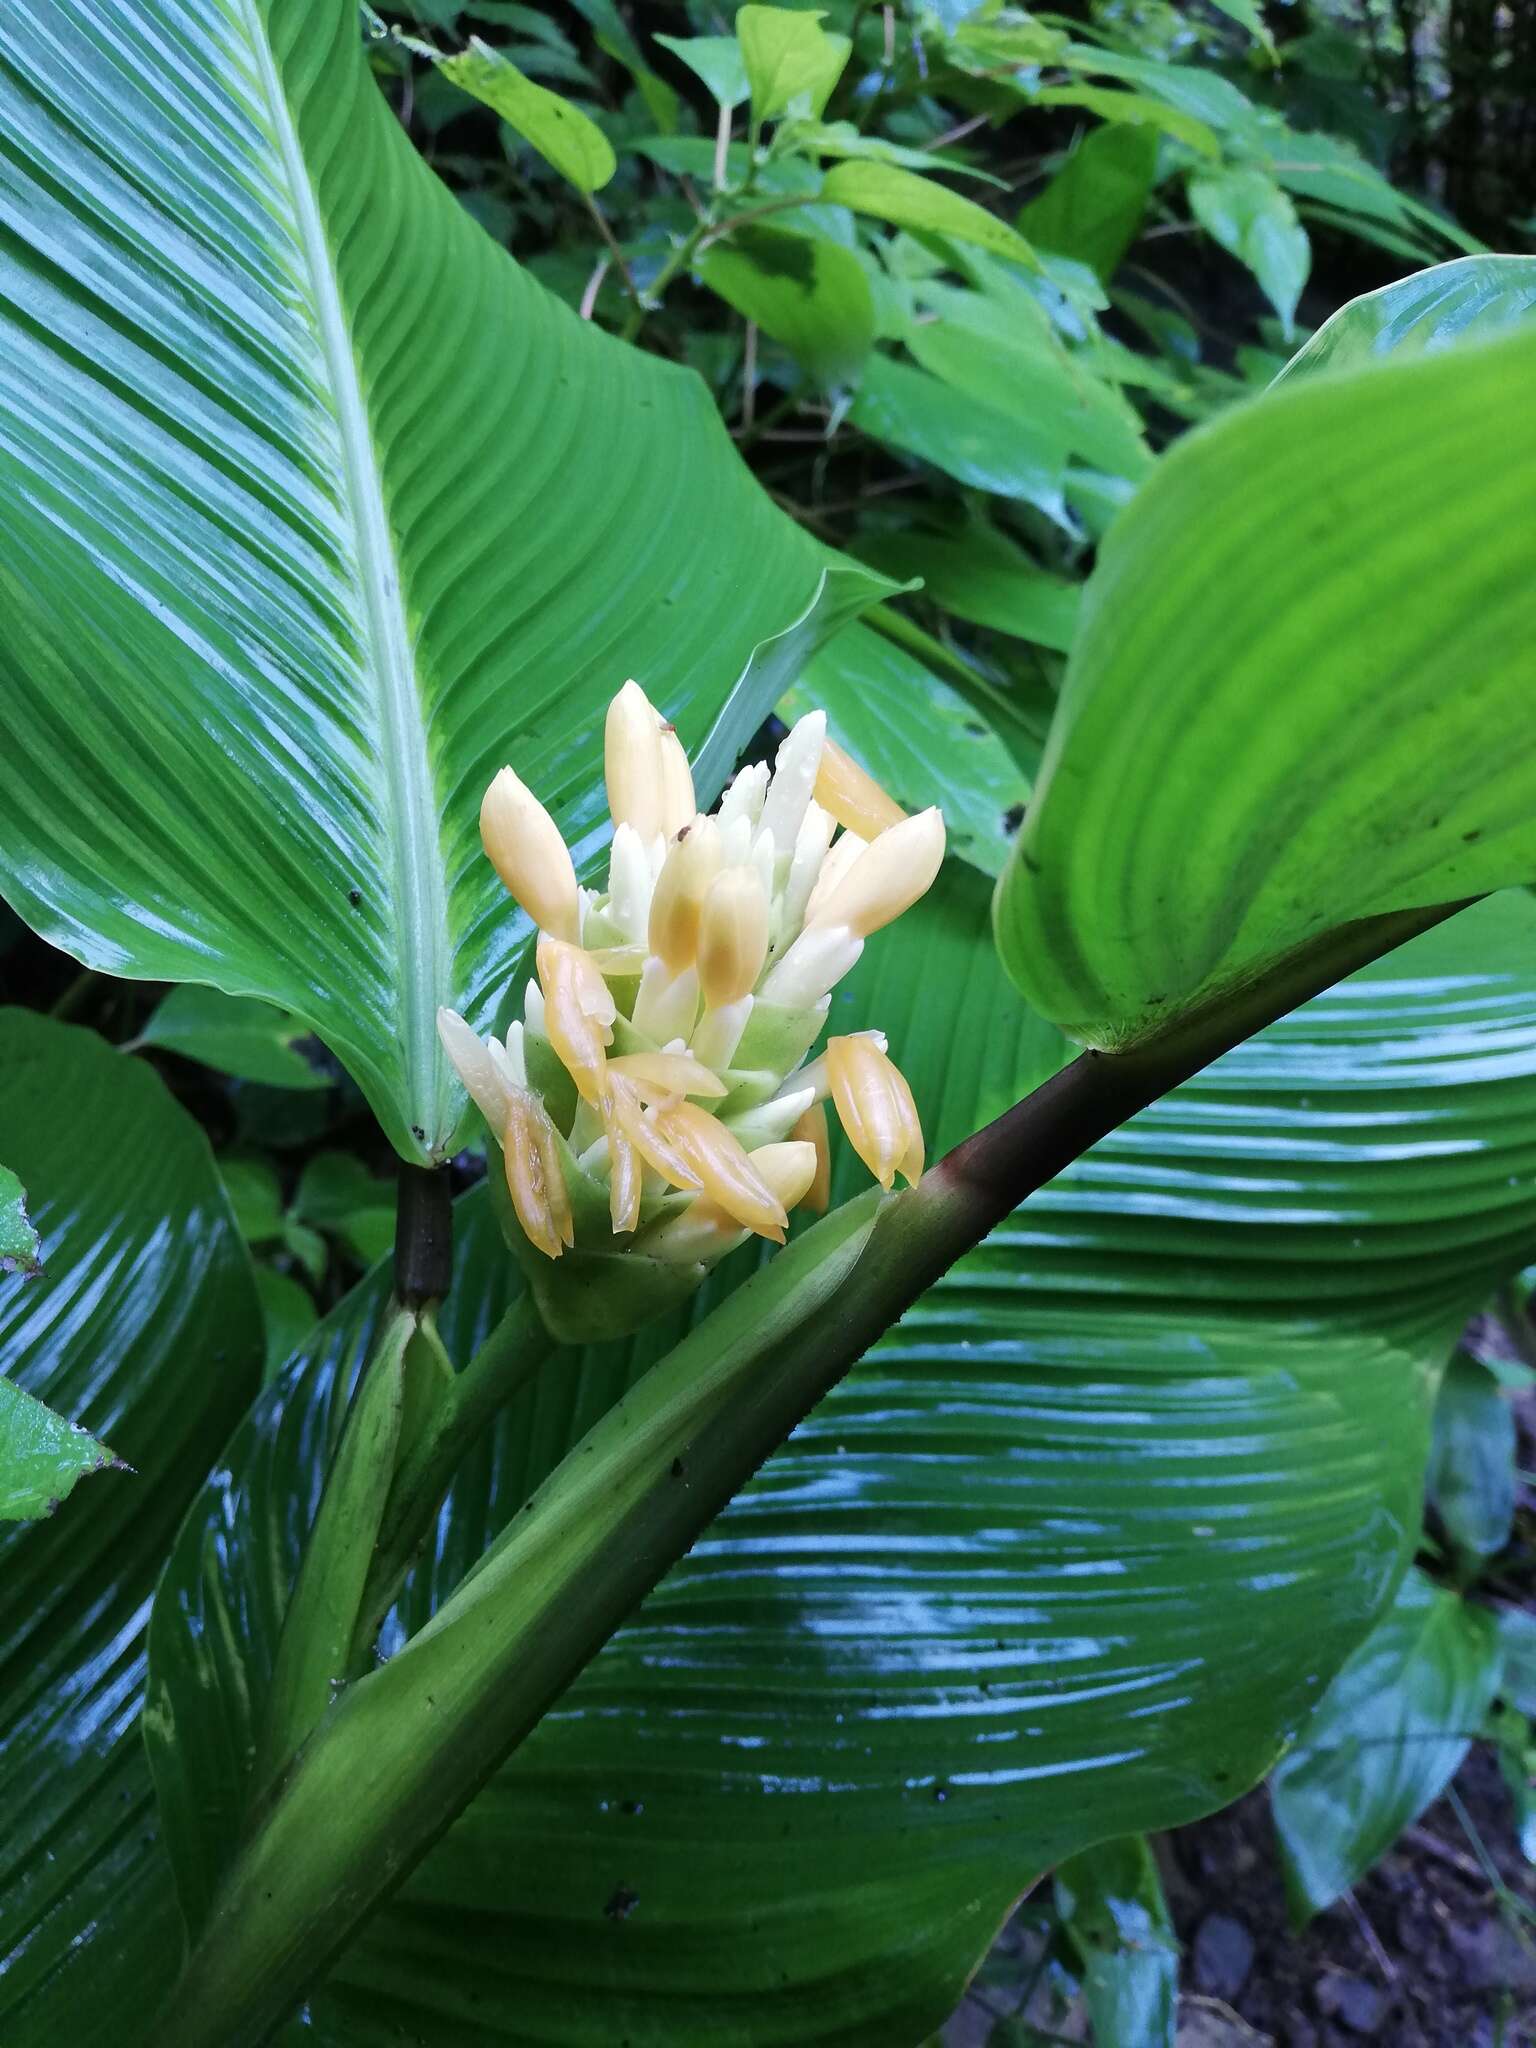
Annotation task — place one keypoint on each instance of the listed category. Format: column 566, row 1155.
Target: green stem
column 404, row 1751
column 313, row 1648
column 678, row 261
column 508, row 1358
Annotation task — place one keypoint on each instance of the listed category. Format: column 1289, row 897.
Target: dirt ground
column 1430, row 1952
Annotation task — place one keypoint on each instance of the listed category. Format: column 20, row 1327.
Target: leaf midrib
column 417, row 882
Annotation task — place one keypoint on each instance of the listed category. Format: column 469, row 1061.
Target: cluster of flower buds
column 658, row 1098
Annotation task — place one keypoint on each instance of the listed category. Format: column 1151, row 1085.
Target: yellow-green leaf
column 562, row 134
column 885, row 192
column 789, row 58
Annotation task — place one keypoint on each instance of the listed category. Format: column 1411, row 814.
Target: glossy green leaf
column 562, row 134
column 337, row 1194
column 1112, row 1910
column 1475, row 296
column 1257, row 744
column 993, row 349
column 144, row 1328
column 918, row 738
column 248, row 1039
column 1471, row 1479
column 981, row 575
column 792, row 62
column 19, row 1247
column 1517, row 1642
column 977, row 1614
column 1134, row 109
column 1094, row 206
column 613, row 34
column 803, row 290
column 888, row 193
column 970, row 440
column 1387, row 1738
column 343, row 511
column 842, row 139
column 1253, row 219
column 41, row 1456
column 288, row 1315
column 715, row 59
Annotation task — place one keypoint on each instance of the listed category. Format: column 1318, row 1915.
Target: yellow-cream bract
column 663, row 1058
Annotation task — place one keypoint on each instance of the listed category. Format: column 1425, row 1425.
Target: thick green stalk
column 406, row 1750
column 510, row 1355
column 313, row 1648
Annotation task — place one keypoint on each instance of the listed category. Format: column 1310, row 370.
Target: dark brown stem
column 423, row 1236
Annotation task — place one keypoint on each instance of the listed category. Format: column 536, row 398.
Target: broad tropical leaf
column 978, row 1613
column 1259, row 743
column 342, row 511
column 1386, row 1739
column 1475, row 295
column 144, row 1327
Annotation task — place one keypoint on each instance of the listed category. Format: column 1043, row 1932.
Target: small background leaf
column 1387, row 1738
column 41, row 1456
column 19, row 1248
column 803, row 290
column 562, row 134
column 1471, row 1480
column 234, row 1034
column 1110, row 1901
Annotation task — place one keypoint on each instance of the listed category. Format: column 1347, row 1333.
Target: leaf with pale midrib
column 342, row 510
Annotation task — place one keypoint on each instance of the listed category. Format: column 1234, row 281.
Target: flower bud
column 624, row 1181
column 535, row 1177
column 579, row 1011
column 527, row 851
column 633, row 763
column 887, row 878
column 692, row 863
column 622, row 1113
column 794, row 777
column 631, row 880
column 733, row 936
column 816, row 962
column 876, row 1109
column 677, row 802
column 837, row 861
column 855, row 799
column 472, row 1061
column 667, row 1005
column 812, row 1130
column 744, row 796
column 658, row 1074
column 705, row 1232
column 724, row 1170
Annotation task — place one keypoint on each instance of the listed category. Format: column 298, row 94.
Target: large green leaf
column 1297, row 650
column 318, row 509
column 1386, row 1739
column 978, row 1613
column 144, row 1326
column 1430, row 310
